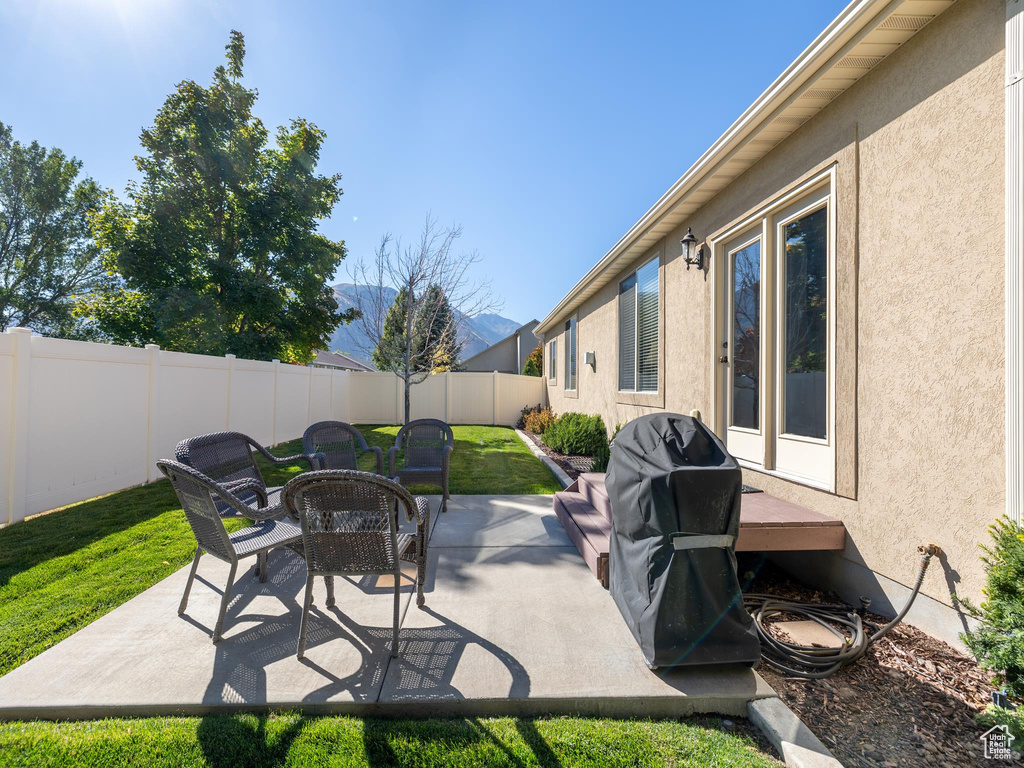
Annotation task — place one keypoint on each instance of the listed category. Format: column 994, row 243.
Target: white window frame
column 574, row 328
column 636, row 332
column 553, row 361
column 806, row 460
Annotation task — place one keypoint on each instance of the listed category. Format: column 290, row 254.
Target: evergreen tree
column 436, row 338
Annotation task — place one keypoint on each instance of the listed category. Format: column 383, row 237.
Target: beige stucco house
column 505, row 356
column 850, row 319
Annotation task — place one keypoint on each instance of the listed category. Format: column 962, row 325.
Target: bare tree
column 432, row 278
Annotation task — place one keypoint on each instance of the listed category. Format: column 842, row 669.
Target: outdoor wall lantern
column 590, row 359
column 691, row 253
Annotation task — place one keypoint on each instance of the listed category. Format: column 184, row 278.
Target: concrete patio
column 514, row 623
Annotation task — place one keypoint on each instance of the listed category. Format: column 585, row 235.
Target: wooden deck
column 767, row 524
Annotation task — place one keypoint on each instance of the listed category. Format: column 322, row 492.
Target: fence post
column 494, row 398
column 153, row 418
column 231, row 375
column 309, row 396
column 400, row 401
column 17, row 479
column 447, row 397
column 273, row 408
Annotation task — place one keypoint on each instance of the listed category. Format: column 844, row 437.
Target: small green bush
column 999, row 643
column 577, row 434
column 1012, row 718
column 601, row 458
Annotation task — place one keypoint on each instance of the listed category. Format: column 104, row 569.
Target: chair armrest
column 237, row 487
column 309, row 458
column 321, row 460
column 380, row 459
column 421, row 511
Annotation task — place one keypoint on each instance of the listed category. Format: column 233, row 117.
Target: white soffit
column 858, row 39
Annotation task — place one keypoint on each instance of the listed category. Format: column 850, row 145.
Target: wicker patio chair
column 349, row 522
column 427, row 447
column 227, row 458
column 200, row 497
column 335, row 443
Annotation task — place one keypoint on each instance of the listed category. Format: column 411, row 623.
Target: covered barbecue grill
column 675, row 499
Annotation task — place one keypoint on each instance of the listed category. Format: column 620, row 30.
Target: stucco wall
column 918, row 149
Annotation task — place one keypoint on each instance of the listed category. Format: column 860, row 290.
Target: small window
column 553, row 359
column 570, row 354
column 638, row 330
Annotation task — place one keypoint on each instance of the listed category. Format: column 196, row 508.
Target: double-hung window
column 570, row 354
column 553, row 360
column 638, row 330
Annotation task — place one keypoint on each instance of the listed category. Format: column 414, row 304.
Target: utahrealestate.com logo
column 997, row 741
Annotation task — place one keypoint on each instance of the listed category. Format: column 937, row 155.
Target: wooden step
column 591, row 485
column 767, row 524
column 584, row 530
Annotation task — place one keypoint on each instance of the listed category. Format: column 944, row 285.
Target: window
column 552, row 359
column 638, row 330
column 775, row 347
column 570, row 354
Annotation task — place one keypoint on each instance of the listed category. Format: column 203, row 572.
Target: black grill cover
column 671, row 478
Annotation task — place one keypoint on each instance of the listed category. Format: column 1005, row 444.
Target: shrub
column 534, row 364
column 999, row 643
column 601, row 458
column 577, row 433
column 539, row 420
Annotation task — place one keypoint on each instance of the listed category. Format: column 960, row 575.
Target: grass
column 293, row 740
column 63, row 570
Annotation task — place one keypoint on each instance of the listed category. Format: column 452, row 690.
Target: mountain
column 475, row 333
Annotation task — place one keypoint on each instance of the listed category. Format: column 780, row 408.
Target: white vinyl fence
column 79, row 419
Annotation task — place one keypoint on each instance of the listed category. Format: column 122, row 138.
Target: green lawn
column 62, row 571
column 278, row 740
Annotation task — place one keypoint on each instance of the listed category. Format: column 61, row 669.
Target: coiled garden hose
column 846, row 624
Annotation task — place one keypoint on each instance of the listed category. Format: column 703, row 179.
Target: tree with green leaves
column 534, row 365
column 217, row 250
column 436, row 332
column 415, row 333
column 48, row 259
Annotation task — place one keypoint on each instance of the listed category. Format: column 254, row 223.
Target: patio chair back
column 349, row 520
column 226, row 457
column 424, row 441
column 336, row 441
column 195, row 493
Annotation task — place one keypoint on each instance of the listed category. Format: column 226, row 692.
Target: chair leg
column 421, row 576
column 444, row 500
column 398, row 598
column 330, row 590
column 262, row 560
column 300, row 652
column 188, row 584
column 224, row 602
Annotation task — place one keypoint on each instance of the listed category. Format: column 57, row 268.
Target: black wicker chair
column 228, row 459
column 201, row 499
column 349, row 522
column 335, row 444
column 427, row 448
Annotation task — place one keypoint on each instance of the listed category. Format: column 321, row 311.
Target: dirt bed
column 910, row 701
column 573, row 466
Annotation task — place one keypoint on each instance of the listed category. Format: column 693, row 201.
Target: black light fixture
column 692, row 255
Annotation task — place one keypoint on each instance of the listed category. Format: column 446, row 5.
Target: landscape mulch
column 573, row 466
column 910, row 701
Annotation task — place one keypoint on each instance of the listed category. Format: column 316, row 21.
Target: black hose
column 813, row 662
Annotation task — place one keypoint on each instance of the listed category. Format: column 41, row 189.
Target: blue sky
column 545, row 128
